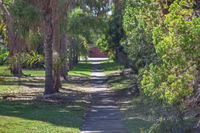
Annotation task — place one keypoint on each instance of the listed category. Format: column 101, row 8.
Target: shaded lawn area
column 138, row 115
column 38, row 117
column 17, row 84
column 24, row 114
column 110, row 67
column 32, row 80
column 118, row 82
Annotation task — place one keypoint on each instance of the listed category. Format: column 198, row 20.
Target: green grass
column 4, row 71
column 13, row 84
column 110, row 67
column 81, row 69
column 34, row 72
column 33, row 117
column 21, row 116
column 118, row 82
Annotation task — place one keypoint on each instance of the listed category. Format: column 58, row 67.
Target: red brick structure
column 96, row 53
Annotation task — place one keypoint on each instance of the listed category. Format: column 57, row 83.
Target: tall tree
column 65, row 40
column 48, row 7
column 13, row 45
column 56, row 45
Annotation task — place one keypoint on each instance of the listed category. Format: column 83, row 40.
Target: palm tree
column 48, row 43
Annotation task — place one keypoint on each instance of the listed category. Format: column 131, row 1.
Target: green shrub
column 3, row 57
column 27, row 60
column 176, row 42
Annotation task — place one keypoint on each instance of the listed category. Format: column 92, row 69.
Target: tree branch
column 5, row 10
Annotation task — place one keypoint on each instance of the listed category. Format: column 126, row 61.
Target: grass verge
column 110, row 67
column 19, row 115
column 36, row 117
column 4, row 71
column 81, row 69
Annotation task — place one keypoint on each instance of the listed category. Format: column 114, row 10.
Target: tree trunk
column 13, row 45
column 70, row 47
column 64, row 67
column 56, row 46
column 48, row 42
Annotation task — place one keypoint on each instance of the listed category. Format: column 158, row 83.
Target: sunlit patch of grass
column 34, row 117
column 110, row 67
column 4, row 71
column 34, row 72
column 16, row 84
column 81, row 69
column 38, row 117
column 10, row 84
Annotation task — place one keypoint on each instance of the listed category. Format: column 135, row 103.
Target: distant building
column 96, row 53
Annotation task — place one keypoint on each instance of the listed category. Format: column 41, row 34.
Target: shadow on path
column 103, row 114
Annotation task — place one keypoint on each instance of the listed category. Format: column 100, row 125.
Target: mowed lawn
column 14, row 84
column 110, row 67
column 32, row 116
column 35, row 117
column 82, row 69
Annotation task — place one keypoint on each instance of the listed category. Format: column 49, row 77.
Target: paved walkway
column 103, row 115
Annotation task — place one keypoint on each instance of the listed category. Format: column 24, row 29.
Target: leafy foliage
column 27, row 60
column 25, row 16
column 138, row 21
column 177, row 43
column 3, row 55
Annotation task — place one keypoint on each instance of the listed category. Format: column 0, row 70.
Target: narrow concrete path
column 103, row 115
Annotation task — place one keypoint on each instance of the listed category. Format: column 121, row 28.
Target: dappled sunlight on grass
column 34, row 72
column 81, row 69
column 24, row 110
column 16, row 84
column 24, row 116
column 4, row 71
column 110, row 67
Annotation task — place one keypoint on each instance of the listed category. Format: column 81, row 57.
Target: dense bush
column 164, row 41
column 138, row 21
column 177, row 43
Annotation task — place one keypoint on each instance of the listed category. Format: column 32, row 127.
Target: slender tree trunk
column 64, row 67
column 56, row 46
column 13, row 45
column 48, row 42
column 71, row 50
column 65, row 42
